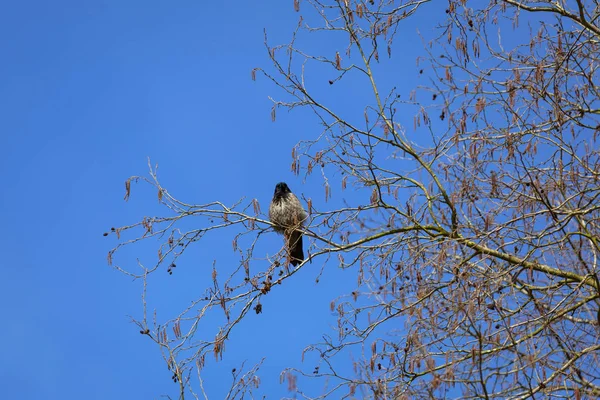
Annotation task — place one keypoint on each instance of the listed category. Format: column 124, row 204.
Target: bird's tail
column 295, row 246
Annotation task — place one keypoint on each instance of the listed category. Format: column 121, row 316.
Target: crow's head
column 281, row 189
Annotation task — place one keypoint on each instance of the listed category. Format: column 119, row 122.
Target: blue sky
column 89, row 90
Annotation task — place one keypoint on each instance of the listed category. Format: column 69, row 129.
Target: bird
column 287, row 216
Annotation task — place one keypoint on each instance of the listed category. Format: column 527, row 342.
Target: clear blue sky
column 89, row 90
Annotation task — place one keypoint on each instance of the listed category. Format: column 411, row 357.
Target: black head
column 281, row 189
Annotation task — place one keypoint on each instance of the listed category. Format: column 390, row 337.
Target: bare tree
column 476, row 255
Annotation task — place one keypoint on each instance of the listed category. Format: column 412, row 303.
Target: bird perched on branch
column 287, row 215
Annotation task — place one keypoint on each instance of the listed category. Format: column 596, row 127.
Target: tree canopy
column 475, row 248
